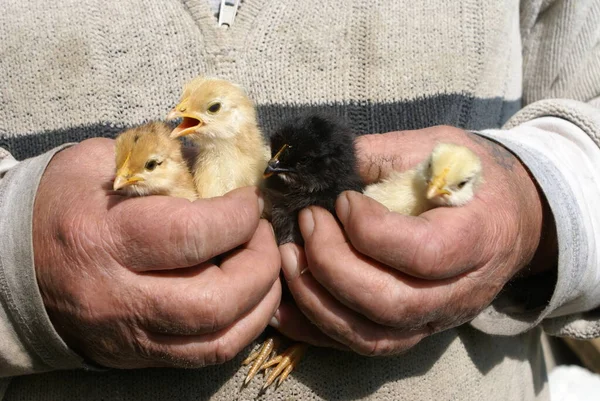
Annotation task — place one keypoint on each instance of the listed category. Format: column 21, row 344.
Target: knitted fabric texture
column 74, row 69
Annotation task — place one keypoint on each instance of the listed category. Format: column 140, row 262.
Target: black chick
column 313, row 162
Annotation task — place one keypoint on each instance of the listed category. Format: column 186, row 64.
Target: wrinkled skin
column 128, row 282
column 381, row 282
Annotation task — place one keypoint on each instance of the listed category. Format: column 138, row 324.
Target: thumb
column 153, row 232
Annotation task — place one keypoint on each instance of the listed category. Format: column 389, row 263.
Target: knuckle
column 445, row 127
column 408, row 310
column 426, row 256
column 431, row 255
column 386, row 303
column 73, row 232
column 224, row 351
column 449, row 130
column 361, row 348
column 244, row 217
column 209, row 314
column 315, row 256
column 364, row 145
column 97, row 147
column 146, row 351
column 220, row 350
column 382, row 347
column 97, row 142
column 348, row 337
column 336, row 330
column 361, row 234
column 423, row 309
column 190, row 361
column 177, row 358
column 164, row 354
column 391, row 342
column 389, row 314
column 410, row 315
column 198, row 314
column 66, row 233
column 191, row 234
column 366, row 347
column 144, row 348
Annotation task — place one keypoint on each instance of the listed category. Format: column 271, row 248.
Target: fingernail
column 274, row 322
column 261, row 202
column 289, row 262
column 342, row 206
column 307, row 222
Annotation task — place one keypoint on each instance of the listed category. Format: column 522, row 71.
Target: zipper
column 228, row 11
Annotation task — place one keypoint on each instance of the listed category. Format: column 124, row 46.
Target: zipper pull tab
column 228, row 11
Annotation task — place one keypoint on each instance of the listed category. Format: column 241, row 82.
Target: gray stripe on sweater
column 363, row 118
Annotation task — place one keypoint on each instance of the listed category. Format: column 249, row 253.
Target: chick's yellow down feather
column 221, row 119
column 449, row 176
column 149, row 162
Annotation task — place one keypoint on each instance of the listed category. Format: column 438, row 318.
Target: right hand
column 127, row 282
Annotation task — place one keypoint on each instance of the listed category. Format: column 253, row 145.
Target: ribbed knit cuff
column 583, row 115
column 19, row 292
column 561, row 157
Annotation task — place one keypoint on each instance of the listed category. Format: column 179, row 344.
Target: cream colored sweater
column 74, row 69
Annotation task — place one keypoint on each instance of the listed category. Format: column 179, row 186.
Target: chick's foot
column 284, row 363
column 260, row 357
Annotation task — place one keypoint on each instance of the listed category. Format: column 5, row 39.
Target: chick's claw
column 260, row 357
column 285, row 362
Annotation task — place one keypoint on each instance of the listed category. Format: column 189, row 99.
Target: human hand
column 384, row 281
column 128, row 283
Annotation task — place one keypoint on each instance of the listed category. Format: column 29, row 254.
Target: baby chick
column 220, row 118
column 313, row 162
column 448, row 177
column 149, row 162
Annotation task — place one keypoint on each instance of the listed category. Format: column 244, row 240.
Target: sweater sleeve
column 562, row 158
column 29, row 342
column 557, row 137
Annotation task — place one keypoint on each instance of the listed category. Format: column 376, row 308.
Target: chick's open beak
column 273, row 165
column 124, row 180
column 190, row 122
column 436, row 186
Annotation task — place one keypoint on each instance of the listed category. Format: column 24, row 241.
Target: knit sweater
column 526, row 74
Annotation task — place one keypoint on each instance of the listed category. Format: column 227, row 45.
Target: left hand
column 384, row 281
column 130, row 283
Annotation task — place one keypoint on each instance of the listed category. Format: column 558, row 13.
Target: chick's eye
column 215, row 107
column 462, row 184
column 151, row 164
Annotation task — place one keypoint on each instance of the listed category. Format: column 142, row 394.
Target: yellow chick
column 220, row 118
column 149, row 162
column 448, row 177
